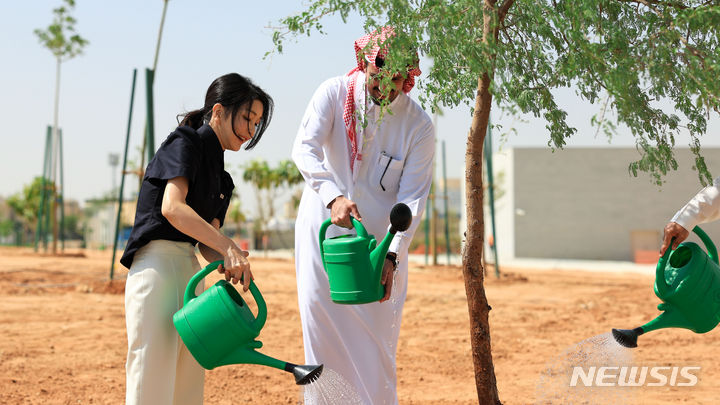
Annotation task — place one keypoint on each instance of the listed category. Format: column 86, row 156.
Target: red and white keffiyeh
column 370, row 53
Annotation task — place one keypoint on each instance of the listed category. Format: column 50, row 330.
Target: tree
column 25, row 203
column 73, row 229
column 236, row 214
column 268, row 183
column 257, row 172
column 639, row 55
column 61, row 39
column 7, row 226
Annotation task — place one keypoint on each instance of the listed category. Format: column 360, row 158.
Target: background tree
column 268, row 184
column 257, row 173
column 25, row 204
column 6, row 227
column 73, row 227
column 236, row 214
column 655, row 62
column 62, row 40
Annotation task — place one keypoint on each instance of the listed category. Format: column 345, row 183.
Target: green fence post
column 122, row 176
column 491, row 191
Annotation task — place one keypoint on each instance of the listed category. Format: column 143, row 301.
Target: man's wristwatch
column 392, row 257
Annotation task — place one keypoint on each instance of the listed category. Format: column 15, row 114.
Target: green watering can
column 219, row 329
column 354, row 263
column 687, row 280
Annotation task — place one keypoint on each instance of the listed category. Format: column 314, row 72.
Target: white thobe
column 397, row 149
column 703, row 208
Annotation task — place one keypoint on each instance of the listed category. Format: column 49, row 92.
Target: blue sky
column 201, row 40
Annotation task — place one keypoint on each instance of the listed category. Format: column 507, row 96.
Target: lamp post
column 113, row 160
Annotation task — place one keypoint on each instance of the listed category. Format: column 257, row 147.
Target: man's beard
column 377, row 100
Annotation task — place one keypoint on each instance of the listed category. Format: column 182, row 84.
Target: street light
column 113, row 160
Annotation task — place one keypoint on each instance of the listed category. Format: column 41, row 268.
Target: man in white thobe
column 359, row 170
column 703, row 208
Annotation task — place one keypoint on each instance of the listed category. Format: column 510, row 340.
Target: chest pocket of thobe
column 386, row 175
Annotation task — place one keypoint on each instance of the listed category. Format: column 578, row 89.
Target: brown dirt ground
column 62, row 333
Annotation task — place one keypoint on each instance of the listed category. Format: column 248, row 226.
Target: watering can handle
column 660, row 270
column 712, row 251
column 259, row 300
column 359, row 228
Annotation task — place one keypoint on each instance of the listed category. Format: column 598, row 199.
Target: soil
column 63, row 337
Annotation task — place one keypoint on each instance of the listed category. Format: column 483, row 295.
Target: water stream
column 329, row 389
column 554, row 386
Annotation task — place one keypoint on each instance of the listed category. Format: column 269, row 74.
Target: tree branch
column 650, row 3
column 502, row 12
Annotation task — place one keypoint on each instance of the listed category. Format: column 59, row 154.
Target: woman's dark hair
column 232, row 91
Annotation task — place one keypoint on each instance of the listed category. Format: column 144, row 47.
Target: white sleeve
column 415, row 184
column 704, row 207
column 307, row 151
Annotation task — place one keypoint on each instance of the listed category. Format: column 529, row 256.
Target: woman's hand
column 236, row 267
column 186, row 220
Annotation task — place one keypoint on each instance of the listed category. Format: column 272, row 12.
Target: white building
column 582, row 203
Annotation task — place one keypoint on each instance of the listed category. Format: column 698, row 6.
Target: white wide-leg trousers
column 160, row 369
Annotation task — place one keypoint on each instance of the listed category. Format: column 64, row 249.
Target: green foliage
column 73, row 228
column 259, row 174
column 60, row 37
column 26, row 203
column 655, row 63
column 268, row 182
column 235, row 212
column 7, row 226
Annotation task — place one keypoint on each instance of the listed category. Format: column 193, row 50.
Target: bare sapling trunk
column 478, row 307
column 473, row 271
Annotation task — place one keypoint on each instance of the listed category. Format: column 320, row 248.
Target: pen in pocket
column 389, row 160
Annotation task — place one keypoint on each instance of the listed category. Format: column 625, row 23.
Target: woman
column 182, row 202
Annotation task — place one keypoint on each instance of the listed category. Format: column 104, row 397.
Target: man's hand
column 340, row 210
column 673, row 230
column 387, row 279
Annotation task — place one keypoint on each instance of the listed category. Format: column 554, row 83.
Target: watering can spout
column 671, row 317
column 400, row 219
column 246, row 354
column 304, row 374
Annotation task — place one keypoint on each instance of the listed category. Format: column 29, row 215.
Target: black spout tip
column 304, row 374
column 400, row 218
column 627, row 337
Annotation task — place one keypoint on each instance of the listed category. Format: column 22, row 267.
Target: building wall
column 582, row 203
column 100, row 227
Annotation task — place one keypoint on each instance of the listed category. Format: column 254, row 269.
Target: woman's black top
column 195, row 155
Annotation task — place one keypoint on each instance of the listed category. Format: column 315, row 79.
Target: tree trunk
column 478, row 307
